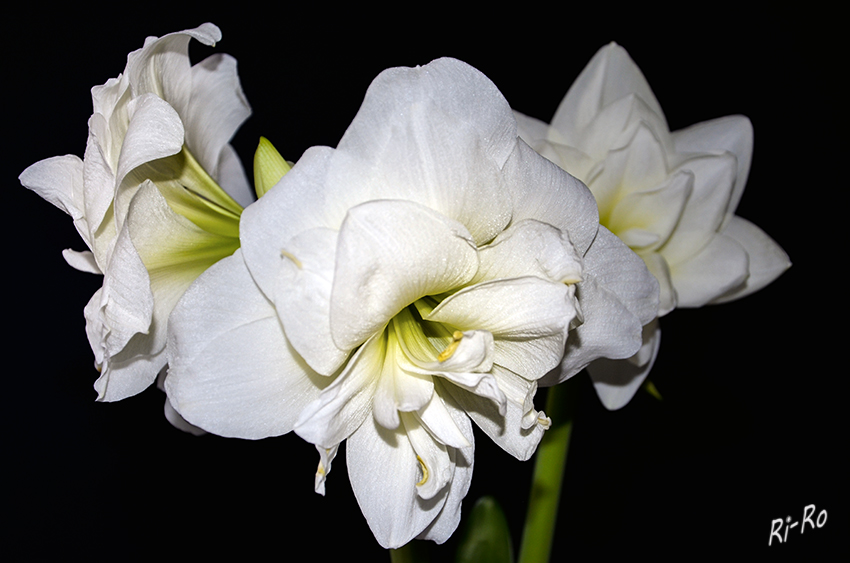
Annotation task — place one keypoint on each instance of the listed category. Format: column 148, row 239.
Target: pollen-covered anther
column 425, row 473
column 457, row 336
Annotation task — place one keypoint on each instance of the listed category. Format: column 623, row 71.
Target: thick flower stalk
column 420, row 277
column 157, row 198
column 670, row 196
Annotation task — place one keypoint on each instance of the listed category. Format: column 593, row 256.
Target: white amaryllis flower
column 427, row 271
column 157, row 198
column 670, row 196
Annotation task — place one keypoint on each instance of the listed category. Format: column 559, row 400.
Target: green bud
column 269, row 167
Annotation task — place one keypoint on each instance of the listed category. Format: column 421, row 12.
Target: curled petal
column 437, row 467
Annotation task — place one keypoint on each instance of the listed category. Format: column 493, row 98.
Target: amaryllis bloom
column 157, row 198
column 420, row 277
column 670, row 196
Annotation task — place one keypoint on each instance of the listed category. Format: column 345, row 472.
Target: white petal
column 703, row 216
column 530, row 248
column 506, row 428
column 658, row 267
column 609, row 330
column 99, row 185
column 127, row 302
column 544, row 192
column 617, row 297
column 610, row 75
column 622, row 272
column 130, row 371
column 82, row 261
column 734, row 134
column 344, row 405
column 719, row 267
column 215, row 91
column 384, row 471
column 303, row 294
column 59, row 180
column 656, row 212
column 161, row 67
column 155, row 131
column 383, row 265
column 447, row 521
column 399, row 390
column 530, row 129
column 231, row 370
column 528, row 317
column 616, row 381
column 435, row 463
column 767, row 260
column 179, row 422
column 326, row 456
column 232, row 178
column 174, row 252
column 445, row 422
column 295, row 204
column 451, row 128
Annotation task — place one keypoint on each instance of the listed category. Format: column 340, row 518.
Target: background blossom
column 670, row 196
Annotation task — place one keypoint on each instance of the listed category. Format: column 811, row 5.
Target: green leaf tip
column 269, row 167
column 486, row 536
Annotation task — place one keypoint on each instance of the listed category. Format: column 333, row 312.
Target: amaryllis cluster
column 422, row 277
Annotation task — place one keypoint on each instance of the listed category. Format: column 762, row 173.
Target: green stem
column 412, row 552
column 548, row 474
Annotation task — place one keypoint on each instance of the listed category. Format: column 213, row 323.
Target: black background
column 749, row 429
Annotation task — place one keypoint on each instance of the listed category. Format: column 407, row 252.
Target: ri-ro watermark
column 809, row 519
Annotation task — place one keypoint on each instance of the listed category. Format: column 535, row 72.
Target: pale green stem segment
column 412, row 552
column 548, row 474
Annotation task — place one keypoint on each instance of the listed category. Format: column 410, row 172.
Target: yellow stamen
column 424, row 472
column 296, row 261
column 450, row 349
